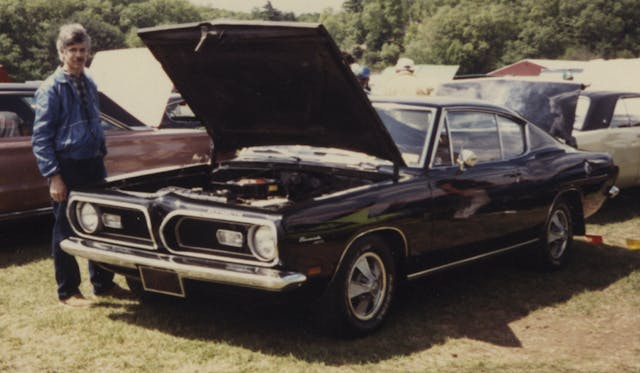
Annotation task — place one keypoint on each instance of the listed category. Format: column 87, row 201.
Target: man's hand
column 57, row 188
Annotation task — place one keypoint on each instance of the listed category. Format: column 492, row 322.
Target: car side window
column 626, row 113
column 582, row 108
column 443, row 154
column 511, row 137
column 16, row 116
column 108, row 126
column 475, row 131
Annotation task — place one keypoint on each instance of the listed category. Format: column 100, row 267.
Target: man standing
column 69, row 146
column 403, row 82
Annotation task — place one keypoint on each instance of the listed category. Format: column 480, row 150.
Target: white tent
column 617, row 75
column 135, row 80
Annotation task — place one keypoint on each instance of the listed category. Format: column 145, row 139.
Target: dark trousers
column 75, row 173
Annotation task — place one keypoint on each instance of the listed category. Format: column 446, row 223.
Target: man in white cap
column 403, row 83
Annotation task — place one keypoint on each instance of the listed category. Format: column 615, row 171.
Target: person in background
column 10, row 124
column 404, row 81
column 363, row 74
column 69, row 146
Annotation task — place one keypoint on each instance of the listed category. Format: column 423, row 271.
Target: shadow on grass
column 477, row 302
column 624, row 207
column 26, row 240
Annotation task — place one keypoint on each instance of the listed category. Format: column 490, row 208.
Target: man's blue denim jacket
column 60, row 129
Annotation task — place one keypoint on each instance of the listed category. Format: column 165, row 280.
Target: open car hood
column 269, row 83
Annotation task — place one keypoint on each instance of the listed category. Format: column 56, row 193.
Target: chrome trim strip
column 224, row 216
column 613, row 192
column 468, row 260
column 26, row 214
column 246, row 276
column 145, row 212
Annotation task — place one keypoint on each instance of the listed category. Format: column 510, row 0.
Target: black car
column 314, row 187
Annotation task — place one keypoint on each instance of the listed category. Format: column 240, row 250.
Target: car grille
column 133, row 222
column 198, row 235
column 134, row 229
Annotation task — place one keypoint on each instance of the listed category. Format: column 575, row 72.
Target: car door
column 22, row 188
column 474, row 206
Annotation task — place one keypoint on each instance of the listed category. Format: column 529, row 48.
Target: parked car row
column 313, row 187
column 132, row 146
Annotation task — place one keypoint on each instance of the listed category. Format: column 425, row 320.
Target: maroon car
column 132, row 147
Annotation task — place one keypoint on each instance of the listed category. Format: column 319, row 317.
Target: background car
column 609, row 121
column 314, row 190
column 178, row 114
column 131, row 146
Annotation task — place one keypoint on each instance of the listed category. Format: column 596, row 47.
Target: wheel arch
column 573, row 198
column 392, row 236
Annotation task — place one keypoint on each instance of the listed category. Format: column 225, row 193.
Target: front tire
column 557, row 238
column 358, row 299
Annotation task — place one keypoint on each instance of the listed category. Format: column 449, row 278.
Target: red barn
column 535, row 67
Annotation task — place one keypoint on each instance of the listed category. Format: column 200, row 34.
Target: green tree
column 270, row 13
column 28, row 28
column 470, row 34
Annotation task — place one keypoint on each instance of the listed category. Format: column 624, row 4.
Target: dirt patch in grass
column 495, row 316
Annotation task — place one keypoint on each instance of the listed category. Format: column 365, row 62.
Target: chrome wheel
column 367, row 286
column 558, row 233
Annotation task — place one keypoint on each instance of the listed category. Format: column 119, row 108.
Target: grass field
column 495, row 316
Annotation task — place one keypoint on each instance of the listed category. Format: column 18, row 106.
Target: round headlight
column 263, row 243
column 88, row 217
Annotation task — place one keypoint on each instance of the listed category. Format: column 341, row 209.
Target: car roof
column 443, row 102
column 26, row 87
column 598, row 94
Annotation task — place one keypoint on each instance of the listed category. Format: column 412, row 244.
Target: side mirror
column 466, row 158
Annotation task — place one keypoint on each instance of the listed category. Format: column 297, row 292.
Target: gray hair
column 73, row 33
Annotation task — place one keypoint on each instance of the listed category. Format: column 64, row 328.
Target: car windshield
column 409, row 127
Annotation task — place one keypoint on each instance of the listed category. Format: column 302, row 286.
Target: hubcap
column 367, row 286
column 558, row 234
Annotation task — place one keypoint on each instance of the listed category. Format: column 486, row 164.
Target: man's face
column 74, row 57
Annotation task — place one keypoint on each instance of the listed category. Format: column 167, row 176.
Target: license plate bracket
column 161, row 281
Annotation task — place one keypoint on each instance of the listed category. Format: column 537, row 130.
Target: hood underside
column 270, row 83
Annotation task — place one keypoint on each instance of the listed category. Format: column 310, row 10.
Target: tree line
column 478, row 35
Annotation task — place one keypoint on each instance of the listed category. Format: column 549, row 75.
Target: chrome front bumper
column 191, row 268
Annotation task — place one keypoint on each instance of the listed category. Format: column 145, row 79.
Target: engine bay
column 273, row 187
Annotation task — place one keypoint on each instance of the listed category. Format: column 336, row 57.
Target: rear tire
column 358, row 299
column 557, row 238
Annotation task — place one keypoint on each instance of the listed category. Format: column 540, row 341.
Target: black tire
column 557, row 238
column 358, row 299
